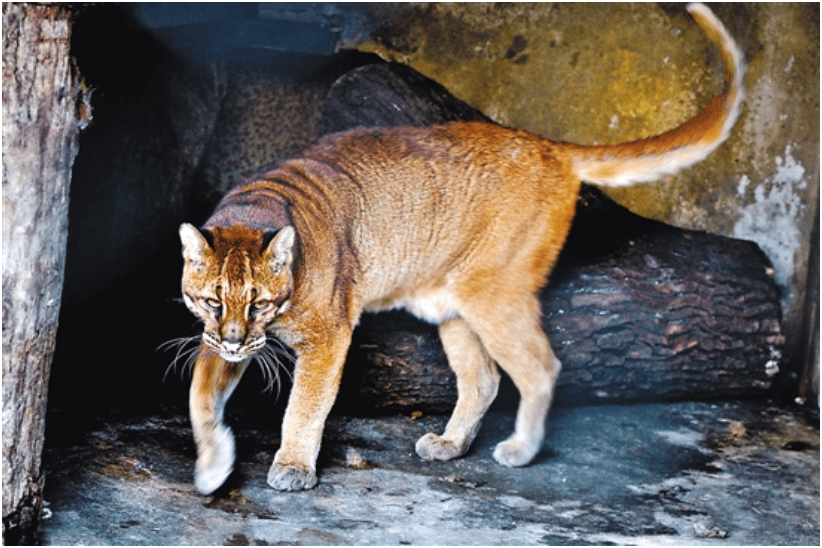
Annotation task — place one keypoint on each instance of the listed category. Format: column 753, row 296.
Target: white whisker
column 273, row 358
column 188, row 355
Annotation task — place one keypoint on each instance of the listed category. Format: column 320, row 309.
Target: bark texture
column 39, row 145
column 390, row 94
column 635, row 309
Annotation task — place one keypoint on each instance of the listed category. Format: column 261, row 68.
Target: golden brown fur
column 460, row 224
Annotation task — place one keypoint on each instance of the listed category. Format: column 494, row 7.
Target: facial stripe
column 236, row 269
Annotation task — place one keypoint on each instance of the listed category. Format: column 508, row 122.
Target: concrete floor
column 665, row 474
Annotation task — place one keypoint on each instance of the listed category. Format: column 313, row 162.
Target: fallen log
column 635, row 309
column 390, row 94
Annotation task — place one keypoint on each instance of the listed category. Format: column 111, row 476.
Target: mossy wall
column 606, row 73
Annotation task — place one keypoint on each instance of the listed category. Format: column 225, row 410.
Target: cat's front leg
column 317, row 378
column 212, row 383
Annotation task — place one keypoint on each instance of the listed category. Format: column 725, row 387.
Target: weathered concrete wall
column 606, row 73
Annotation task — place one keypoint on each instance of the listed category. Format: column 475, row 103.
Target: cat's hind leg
column 513, row 337
column 212, row 383
column 477, row 385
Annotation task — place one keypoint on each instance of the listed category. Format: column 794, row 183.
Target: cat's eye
column 259, row 306
column 213, row 303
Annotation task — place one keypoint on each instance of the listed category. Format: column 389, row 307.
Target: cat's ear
column 278, row 252
column 194, row 245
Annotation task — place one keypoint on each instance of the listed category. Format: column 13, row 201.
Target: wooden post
column 40, row 141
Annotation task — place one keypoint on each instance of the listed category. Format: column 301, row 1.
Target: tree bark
column 390, row 94
column 40, row 140
column 635, row 309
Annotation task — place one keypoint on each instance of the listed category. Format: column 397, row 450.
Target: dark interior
column 121, row 294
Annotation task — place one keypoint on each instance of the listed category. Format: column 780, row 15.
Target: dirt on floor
column 733, row 473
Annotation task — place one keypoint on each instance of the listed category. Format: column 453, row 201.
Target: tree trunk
column 39, row 145
column 635, row 309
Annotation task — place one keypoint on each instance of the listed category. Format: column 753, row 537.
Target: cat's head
column 237, row 281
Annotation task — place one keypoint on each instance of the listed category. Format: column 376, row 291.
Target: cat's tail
column 648, row 159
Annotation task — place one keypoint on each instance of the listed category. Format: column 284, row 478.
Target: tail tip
column 700, row 9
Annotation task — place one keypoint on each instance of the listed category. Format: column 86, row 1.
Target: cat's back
column 444, row 168
column 427, row 199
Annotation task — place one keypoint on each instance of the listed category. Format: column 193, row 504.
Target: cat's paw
column 291, row 478
column 514, row 452
column 434, row 447
column 215, row 461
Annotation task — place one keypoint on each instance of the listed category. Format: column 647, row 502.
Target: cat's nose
column 233, row 333
column 232, row 340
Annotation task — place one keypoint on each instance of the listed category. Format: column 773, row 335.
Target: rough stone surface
column 679, row 474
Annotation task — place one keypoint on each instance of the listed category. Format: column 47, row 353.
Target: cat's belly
column 433, row 306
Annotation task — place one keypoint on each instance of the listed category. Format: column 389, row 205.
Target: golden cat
column 460, row 224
